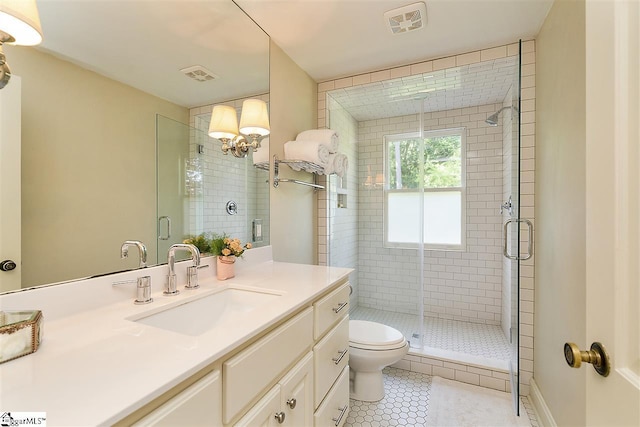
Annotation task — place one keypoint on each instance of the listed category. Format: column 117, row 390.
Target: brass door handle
column 597, row 356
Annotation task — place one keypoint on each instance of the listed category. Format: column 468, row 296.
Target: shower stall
column 428, row 213
column 201, row 190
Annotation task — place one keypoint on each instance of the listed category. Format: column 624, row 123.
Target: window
column 442, row 178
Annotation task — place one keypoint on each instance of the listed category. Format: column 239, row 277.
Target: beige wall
column 293, row 109
column 88, row 167
column 560, row 208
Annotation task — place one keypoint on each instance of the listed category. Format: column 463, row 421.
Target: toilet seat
column 374, row 336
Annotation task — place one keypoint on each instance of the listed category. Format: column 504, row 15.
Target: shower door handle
column 160, row 236
column 505, row 234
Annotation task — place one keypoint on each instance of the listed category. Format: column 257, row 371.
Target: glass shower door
column 179, row 185
column 512, row 229
column 387, row 284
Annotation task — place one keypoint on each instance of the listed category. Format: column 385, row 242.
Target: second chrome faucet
column 171, row 287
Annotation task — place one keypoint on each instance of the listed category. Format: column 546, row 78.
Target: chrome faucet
column 142, row 250
column 172, row 285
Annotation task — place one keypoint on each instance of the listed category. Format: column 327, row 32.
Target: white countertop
column 94, row 367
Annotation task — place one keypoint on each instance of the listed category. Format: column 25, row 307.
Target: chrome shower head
column 492, row 120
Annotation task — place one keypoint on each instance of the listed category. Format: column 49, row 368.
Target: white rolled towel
column 340, row 165
column 262, row 155
column 310, row 151
column 327, row 137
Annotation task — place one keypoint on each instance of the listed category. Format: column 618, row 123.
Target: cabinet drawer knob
column 280, row 417
column 292, row 403
column 339, row 418
column 340, row 306
column 342, row 353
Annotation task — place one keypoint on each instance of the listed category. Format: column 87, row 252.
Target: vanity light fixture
column 254, row 123
column 20, row 25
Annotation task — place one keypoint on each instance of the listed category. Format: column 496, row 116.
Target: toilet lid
column 374, row 336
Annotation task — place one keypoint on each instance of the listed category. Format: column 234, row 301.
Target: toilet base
column 367, row 386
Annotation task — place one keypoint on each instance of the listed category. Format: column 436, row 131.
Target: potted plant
column 226, row 250
column 201, row 241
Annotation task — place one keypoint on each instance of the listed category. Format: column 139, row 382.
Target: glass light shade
column 20, row 19
column 224, row 122
column 255, row 118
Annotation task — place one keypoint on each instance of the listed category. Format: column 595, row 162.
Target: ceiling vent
column 199, row 73
column 407, row 18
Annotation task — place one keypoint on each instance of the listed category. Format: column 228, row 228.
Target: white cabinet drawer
column 330, row 356
column 249, row 372
column 335, row 408
column 330, row 309
column 198, row 405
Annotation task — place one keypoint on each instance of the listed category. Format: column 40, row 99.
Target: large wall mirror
column 107, row 84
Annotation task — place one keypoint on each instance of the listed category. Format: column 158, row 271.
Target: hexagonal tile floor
column 406, row 403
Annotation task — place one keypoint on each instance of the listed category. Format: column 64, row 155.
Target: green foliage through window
column 442, row 162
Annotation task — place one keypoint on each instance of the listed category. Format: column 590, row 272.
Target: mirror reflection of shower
column 492, row 120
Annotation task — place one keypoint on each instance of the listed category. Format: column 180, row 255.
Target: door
column 296, row 394
column 10, row 220
column 613, row 209
column 176, row 194
column 516, row 241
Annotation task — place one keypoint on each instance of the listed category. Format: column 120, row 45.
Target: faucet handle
column 192, row 277
column 144, row 290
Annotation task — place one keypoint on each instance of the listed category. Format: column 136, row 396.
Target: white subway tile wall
column 227, row 178
column 343, row 198
column 459, row 285
column 453, row 288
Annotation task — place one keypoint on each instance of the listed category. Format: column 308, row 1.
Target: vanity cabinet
column 288, row 403
column 330, row 309
column 249, row 372
column 294, row 375
column 331, row 357
column 187, row 408
column 335, row 407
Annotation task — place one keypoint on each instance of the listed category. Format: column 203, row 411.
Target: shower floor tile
column 473, row 339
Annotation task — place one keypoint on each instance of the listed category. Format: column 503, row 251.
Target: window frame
column 462, row 189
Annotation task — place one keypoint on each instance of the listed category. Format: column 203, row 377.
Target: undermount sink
column 198, row 316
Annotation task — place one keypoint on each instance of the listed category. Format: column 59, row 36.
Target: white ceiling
column 144, row 43
column 335, row 38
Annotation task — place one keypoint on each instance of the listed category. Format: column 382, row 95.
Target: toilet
column 372, row 347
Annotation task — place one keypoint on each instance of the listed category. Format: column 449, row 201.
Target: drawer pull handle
column 292, row 403
column 342, row 412
column 340, row 306
column 342, row 353
column 280, row 417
